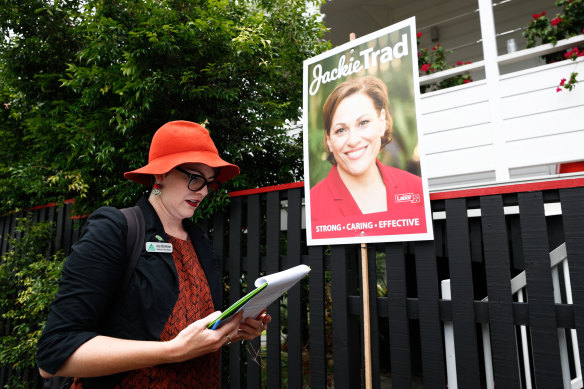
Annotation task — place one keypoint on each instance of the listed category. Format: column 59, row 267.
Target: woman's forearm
column 103, row 355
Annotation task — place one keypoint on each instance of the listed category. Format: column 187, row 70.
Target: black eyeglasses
column 198, row 182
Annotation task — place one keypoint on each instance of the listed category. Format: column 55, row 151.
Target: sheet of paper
column 277, row 285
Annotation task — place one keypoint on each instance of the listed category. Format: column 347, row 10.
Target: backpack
column 136, row 228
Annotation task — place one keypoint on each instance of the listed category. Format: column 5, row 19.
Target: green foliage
column 570, row 84
column 568, row 23
column 28, row 283
column 87, row 83
column 434, row 60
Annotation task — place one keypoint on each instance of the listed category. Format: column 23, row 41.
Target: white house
column 509, row 124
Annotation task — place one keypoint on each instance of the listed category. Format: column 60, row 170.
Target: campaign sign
column 363, row 158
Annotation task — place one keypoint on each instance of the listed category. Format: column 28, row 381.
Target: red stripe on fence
column 514, row 188
column 273, row 188
column 50, row 205
column 450, row 194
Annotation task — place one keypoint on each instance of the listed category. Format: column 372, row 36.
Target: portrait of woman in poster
column 357, row 126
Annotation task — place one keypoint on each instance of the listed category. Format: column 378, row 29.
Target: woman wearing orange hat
column 154, row 334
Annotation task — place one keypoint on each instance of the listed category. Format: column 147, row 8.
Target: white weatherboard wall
column 538, row 126
column 456, row 130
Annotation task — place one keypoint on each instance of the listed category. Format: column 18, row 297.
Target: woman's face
column 355, row 134
column 178, row 200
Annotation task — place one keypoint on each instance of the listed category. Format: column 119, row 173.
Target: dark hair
column 372, row 87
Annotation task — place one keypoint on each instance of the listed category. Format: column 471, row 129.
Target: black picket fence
column 514, row 317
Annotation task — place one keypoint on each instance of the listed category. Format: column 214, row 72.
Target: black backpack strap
column 58, row 383
column 134, row 242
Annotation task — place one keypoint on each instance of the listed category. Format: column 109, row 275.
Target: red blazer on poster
column 332, row 205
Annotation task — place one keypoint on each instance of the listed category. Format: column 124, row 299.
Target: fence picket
column 218, row 235
column 67, row 227
column 234, row 268
column 573, row 221
column 253, row 272
column 373, row 314
column 59, row 222
column 461, row 281
column 347, row 349
column 433, row 365
column 318, row 371
column 497, row 268
column 542, row 316
column 399, row 327
column 274, row 363
column 295, row 303
column 4, row 233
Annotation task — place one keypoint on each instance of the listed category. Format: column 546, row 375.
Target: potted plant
column 568, row 23
column 434, row 60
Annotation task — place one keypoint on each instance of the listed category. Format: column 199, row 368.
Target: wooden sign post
column 366, row 316
column 365, row 297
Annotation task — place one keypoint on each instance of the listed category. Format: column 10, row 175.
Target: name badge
column 158, row 247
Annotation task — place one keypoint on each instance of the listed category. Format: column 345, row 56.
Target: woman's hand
column 250, row 328
column 196, row 339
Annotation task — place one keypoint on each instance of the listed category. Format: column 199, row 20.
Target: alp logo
column 407, row 198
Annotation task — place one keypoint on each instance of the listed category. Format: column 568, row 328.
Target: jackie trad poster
column 363, row 160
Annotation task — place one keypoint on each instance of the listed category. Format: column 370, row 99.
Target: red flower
column 458, row 63
column 573, row 54
column 558, row 89
column 556, row 21
column 419, row 34
column 434, row 48
column 543, row 13
column 562, row 82
column 425, row 67
column 466, row 81
column 535, row 16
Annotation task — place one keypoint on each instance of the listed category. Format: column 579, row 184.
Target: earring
column 156, row 191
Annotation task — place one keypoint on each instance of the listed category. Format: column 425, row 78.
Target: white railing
column 558, row 259
column 505, row 127
column 504, row 59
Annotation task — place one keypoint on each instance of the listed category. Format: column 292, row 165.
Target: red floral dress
column 194, row 302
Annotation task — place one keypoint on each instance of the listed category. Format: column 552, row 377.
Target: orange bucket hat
column 179, row 142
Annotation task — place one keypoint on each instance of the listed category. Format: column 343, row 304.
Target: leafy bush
column 28, row 282
column 568, row 23
column 434, row 60
column 85, row 84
